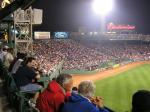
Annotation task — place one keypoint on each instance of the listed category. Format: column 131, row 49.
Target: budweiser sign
column 111, row 26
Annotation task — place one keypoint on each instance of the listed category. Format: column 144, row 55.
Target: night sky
column 68, row 15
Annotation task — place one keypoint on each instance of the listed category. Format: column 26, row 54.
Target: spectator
column 141, row 101
column 81, row 102
column 3, row 52
column 25, row 77
column 8, row 58
column 51, row 99
column 75, row 89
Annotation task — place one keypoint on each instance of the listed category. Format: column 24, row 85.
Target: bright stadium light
column 102, row 7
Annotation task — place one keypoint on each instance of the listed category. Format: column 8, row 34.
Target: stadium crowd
column 125, row 50
column 88, row 54
column 57, row 93
column 76, row 55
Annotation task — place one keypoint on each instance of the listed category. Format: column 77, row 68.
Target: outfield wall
column 102, row 67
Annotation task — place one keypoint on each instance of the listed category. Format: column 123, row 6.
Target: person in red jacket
column 51, row 99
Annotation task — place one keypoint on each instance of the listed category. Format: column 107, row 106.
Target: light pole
column 102, row 8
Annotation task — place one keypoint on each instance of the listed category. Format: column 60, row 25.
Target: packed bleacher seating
column 83, row 55
column 135, row 51
column 76, row 55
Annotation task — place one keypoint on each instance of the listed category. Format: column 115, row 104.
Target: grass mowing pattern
column 117, row 90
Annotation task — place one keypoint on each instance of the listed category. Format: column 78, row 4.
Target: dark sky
column 68, row 15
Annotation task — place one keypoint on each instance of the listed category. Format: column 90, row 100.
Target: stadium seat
column 18, row 99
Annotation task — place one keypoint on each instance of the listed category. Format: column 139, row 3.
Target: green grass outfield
column 117, row 90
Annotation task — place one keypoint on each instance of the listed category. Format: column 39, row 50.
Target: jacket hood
column 54, row 87
column 76, row 98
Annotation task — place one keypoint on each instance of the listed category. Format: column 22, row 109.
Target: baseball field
column 117, row 85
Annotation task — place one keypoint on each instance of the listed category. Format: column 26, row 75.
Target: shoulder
column 59, row 96
column 27, row 69
column 48, row 94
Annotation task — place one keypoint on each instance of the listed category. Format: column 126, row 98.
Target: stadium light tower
column 102, row 8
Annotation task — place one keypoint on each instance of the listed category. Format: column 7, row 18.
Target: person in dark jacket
column 141, row 101
column 51, row 99
column 84, row 100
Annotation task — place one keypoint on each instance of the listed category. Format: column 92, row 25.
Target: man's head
column 141, row 101
column 66, row 81
column 74, row 88
column 31, row 62
column 86, row 88
column 5, row 48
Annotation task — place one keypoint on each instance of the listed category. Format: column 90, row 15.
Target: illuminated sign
column 111, row 26
column 61, row 34
column 4, row 3
column 41, row 35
